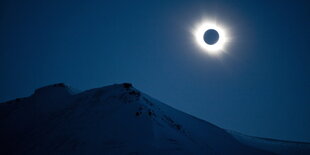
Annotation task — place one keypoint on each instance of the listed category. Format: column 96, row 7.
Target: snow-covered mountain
column 117, row 119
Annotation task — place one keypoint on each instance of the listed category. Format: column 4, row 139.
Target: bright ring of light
column 216, row 48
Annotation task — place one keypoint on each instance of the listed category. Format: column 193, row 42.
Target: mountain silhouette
column 117, row 119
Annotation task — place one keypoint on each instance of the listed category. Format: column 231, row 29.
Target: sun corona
column 216, row 48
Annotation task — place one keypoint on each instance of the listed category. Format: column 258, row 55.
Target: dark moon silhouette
column 211, row 36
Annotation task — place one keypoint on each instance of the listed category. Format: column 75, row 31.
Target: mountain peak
column 55, row 89
column 114, row 119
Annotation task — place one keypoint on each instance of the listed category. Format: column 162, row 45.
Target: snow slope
column 277, row 146
column 116, row 119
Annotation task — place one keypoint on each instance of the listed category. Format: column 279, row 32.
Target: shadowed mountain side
column 116, row 119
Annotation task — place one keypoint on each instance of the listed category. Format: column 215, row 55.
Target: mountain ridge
column 114, row 119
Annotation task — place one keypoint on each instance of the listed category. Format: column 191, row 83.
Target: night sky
column 259, row 87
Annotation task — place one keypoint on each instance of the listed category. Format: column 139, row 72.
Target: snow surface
column 277, row 146
column 116, row 119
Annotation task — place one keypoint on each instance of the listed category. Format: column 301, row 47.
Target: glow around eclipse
column 214, row 49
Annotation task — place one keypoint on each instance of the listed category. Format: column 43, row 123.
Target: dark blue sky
column 261, row 87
